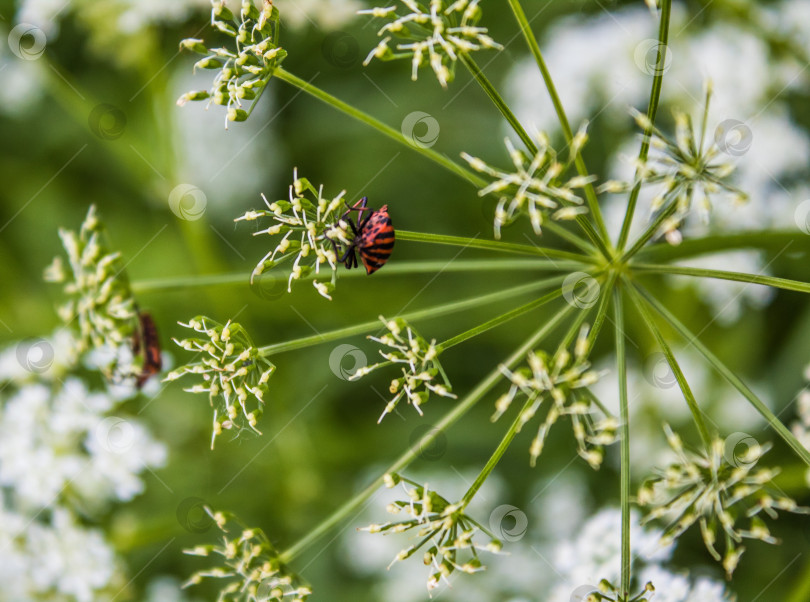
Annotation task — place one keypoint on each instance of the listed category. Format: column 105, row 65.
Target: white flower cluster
column 65, row 452
column 435, row 35
column 537, row 186
column 801, row 427
column 419, row 360
column 312, row 231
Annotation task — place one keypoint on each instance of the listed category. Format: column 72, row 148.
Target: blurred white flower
column 321, row 14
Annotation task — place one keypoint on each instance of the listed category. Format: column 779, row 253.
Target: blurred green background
column 58, row 159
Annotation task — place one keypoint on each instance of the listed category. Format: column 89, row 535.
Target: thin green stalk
column 394, row 269
column 651, row 231
column 494, row 245
column 392, row 133
column 652, row 109
column 481, row 389
column 498, row 101
column 503, row 318
column 783, row 283
column 732, row 378
column 601, row 312
column 774, row 241
column 571, row 237
column 496, row 455
column 602, row 240
column 430, row 312
column 697, row 414
column 624, row 407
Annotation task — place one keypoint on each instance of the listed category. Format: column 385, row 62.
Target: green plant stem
column 732, row 378
column 774, row 241
column 571, row 237
column 431, row 312
column 697, row 415
column 481, row 389
column 378, row 125
column 602, row 239
column 624, row 487
column 494, row 245
column 783, row 283
column 652, row 109
column 396, row 269
column 503, row 318
column 651, row 231
column 601, row 312
column 801, row 590
column 497, row 100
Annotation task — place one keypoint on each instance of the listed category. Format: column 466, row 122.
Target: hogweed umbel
column 434, row 34
column 242, row 71
column 312, row 232
column 442, row 526
column 249, row 564
column 709, row 489
column 560, row 382
column 537, row 186
column 419, row 360
column 234, row 373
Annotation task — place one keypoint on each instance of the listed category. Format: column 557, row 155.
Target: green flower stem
column 732, row 378
column 601, row 312
column 496, row 455
column 494, row 245
column 575, row 240
column 651, row 231
column 481, row 389
column 431, row 312
column 783, row 283
column 351, row 111
column 801, row 590
column 405, row 267
column 652, row 109
column 624, row 487
column 499, row 102
column 697, row 414
column 503, row 318
column 590, row 194
column 774, row 241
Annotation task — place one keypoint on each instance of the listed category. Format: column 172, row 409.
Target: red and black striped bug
column 146, row 338
column 374, row 237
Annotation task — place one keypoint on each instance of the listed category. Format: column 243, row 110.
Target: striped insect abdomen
column 376, row 241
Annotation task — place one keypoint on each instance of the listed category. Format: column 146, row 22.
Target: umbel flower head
column 234, row 373
column 419, row 360
column 606, row 591
column 249, row 566
column 441, row 526
column 560, row 383
column 537, row 186
column 433, row 33
column 687, row 168
column 311, row 231
column 101, row 308
column 716, row 492
column 243, row 70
